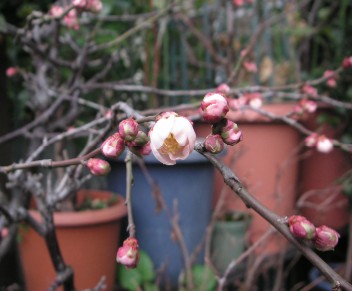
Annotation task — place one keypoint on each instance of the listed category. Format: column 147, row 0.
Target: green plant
column 141, row 278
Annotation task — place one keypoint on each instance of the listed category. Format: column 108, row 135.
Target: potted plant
column 87, row 237
column 229, row 238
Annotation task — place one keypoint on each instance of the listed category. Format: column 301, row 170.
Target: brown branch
column 234, row 183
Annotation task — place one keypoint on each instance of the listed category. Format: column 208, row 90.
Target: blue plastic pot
column 190, row 183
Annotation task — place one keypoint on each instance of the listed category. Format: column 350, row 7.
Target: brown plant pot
column 88, row 241
column 321, row 199
column 266, row 163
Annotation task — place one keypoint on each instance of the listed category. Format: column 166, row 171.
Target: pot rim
column 88, row 217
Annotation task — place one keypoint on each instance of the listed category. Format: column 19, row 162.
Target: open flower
column 128, row 255
column 172, row 138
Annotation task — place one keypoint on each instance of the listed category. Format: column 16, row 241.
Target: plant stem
column 129, row 181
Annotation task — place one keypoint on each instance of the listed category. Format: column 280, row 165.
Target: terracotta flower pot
column 88, row 242
column 266, row 163
column 321, row 199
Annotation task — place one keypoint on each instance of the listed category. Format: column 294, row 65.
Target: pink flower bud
column 140, row 151
column 347, row 62
column 254, row 100
column 309, row 90
column 113, row 146
column 223, row 88
column 324, row 144
column 214, row 107
column 238, row 3
column 230, row 133
column 250, row 67
column 325, row 239
column 213, row 143
column 4, row 232
column 128, row 255
column 71, row 19
column 11, row 71
column 128, row 129
column 332, row 79
column 305, row 105
column 95, row 5
column 56, row 11
column 237, row 103
column 92, row 5
column 98, row 167
column 311, row 140
column 301, row 227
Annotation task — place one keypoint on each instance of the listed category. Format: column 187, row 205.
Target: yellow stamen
column 170, row 145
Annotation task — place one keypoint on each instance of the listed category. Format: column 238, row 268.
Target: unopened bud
column 326, row 238
column 113, row 146
column 309, row 90
column 214, row 107
column 128, row 129
column 324, row 144
column 140, row 151
column 301, row 227
column 213, row 143
column 98, row 167
column 230, row 133
column 128, row 255
column 223, row 88
column 347, row 62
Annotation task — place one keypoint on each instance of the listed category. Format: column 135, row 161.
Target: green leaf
column 129, row 279
column 150, row 287
column 145, row 267
column 204, row 278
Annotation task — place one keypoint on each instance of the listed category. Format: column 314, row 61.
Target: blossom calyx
column 128, row 129
column 213, row 143
column 172, row 138
column 98, row 167
column 230, row 133
column 214, row 107
column 326, row 238
column 113, row 146
column 301, row 227
column 128, row 255
column 141, row 139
